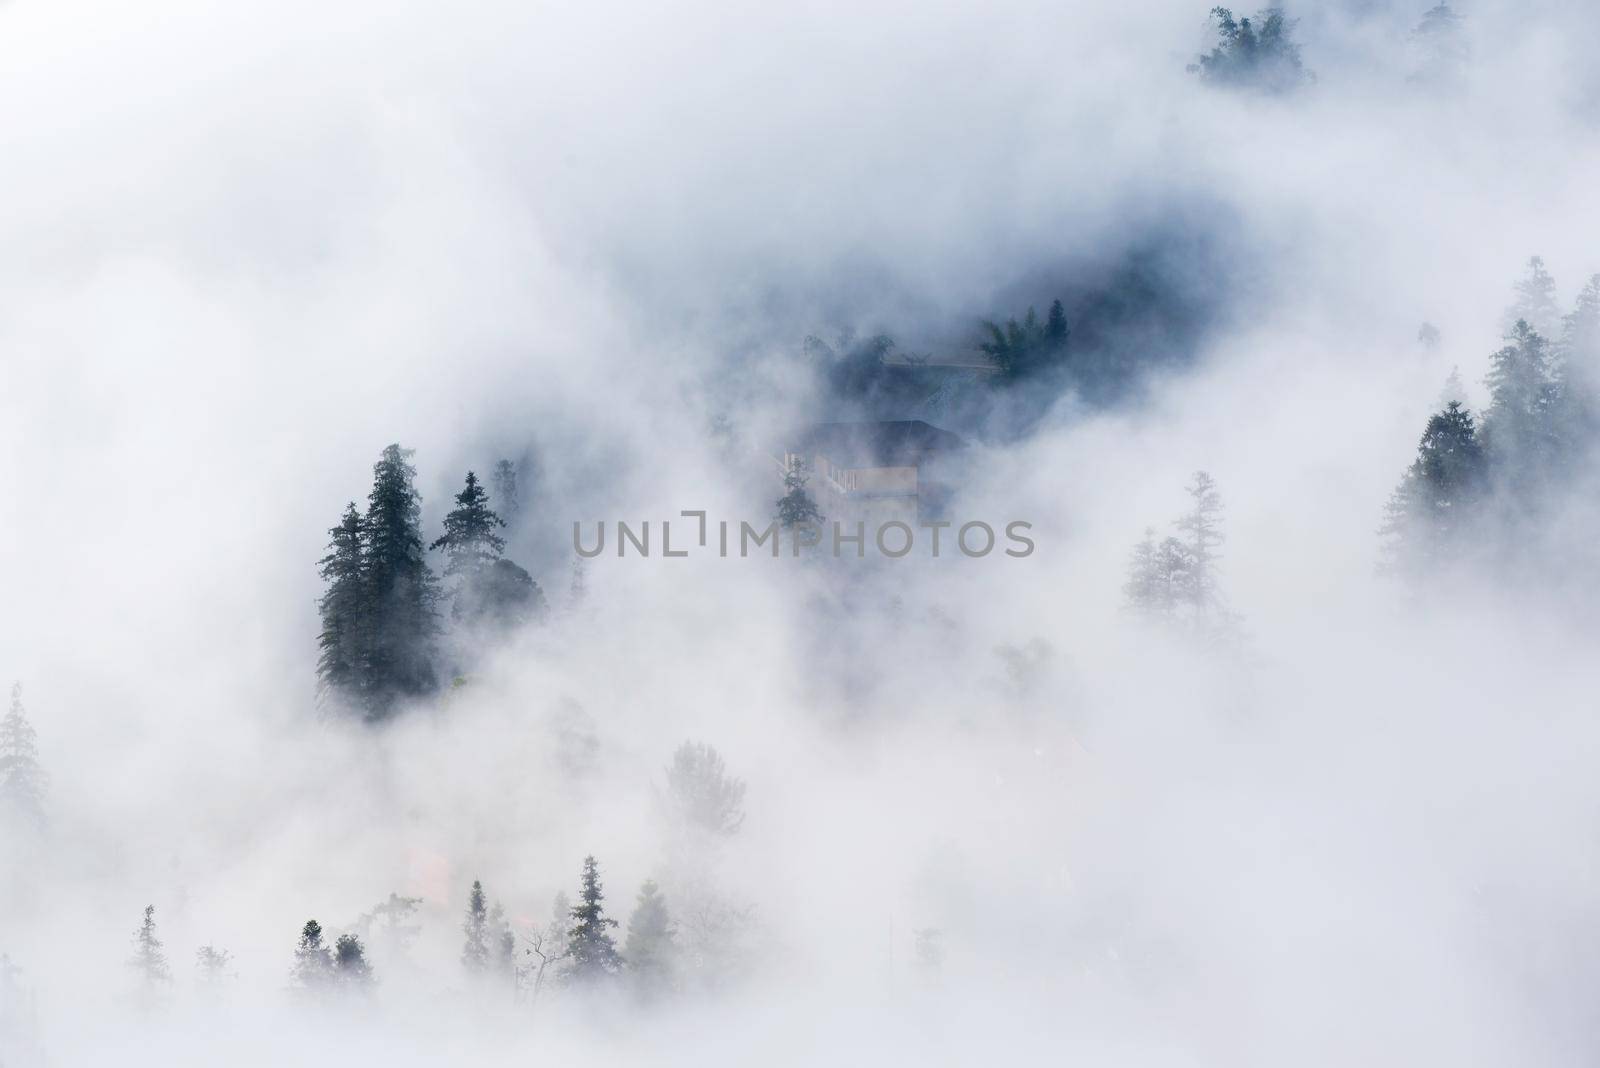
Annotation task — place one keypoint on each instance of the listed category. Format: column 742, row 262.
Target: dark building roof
column 888, row 443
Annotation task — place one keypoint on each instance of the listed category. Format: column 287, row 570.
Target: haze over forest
column 1277, row 332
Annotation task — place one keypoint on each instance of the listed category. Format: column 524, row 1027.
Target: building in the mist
column 877, row 471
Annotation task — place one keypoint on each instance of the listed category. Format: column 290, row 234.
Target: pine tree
column 1577, row 375
column 650, row 950
column 1202, row 527
column 488, row 587
column 313, row 964
column 23, row 783
column 503, row 943
column 505, row 490
column 701, row 794
column 342, row 665
column 351, row 972
column 403, row 623
column 1055, row 326
column 1430, row 514
column 1174, row 580
column 559, row 929
column 1160, row 578
column 1535, row 302
column 469, row 540
column 1021, row 349
column 1580, row 329
column 1519, row 427
column 591, row 952
column 211, row 965
column 795, row 507
column 1257, row 53
column 149, row 959
column 1440, row 43
column 1454, row 389
column 475, row 951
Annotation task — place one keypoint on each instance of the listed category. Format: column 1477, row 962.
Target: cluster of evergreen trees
column 381, row 625
column 1022, row 350
column 1258, row 53
column 577, row 949
column 1483, row 488
column 1172, row 580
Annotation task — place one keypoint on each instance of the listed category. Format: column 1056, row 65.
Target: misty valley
column 689, row 534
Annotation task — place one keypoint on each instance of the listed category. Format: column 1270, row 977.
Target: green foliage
column 1027, row 348
column 591, row 951
column 1258, row 54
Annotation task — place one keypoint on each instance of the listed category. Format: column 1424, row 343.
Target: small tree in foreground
column 591, row 951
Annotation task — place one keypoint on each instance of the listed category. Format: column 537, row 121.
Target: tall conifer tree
column 1429, row 515
column 342, row 664
column 475, row 950
column 402, row 626
column 149, row 958
column 591, row 951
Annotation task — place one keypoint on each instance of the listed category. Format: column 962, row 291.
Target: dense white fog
column 247, row 246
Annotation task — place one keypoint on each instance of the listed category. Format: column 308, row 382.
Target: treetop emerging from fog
column 1254, row 53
